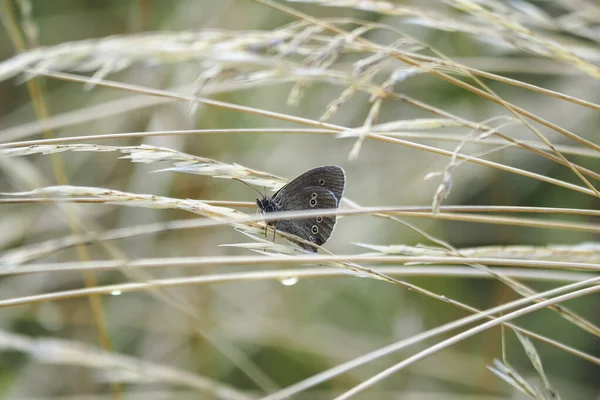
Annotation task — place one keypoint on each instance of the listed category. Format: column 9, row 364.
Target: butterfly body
column 268, row 205
column 318, row 188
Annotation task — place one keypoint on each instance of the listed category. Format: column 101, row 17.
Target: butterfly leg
column 274, row 230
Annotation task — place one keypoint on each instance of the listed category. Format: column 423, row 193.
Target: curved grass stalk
column 466, row 334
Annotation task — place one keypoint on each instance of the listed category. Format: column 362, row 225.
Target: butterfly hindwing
column 314, row 229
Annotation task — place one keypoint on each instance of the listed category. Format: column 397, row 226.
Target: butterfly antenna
column 252, row 187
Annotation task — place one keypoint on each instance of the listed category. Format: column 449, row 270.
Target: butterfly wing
column 315, row 229
column 330, row 177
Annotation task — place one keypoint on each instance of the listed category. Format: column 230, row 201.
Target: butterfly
column 317, row 188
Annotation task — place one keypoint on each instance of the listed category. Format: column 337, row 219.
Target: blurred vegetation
column 119, row 281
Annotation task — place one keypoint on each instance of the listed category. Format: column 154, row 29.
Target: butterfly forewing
column 330, row 177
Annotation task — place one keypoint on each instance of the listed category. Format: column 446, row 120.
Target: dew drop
column 115, row 293
column 291, row 281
